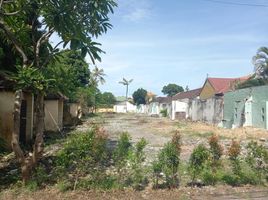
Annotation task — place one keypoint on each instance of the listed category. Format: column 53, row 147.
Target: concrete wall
column 209, row 110
column 207, row 91
column 246, row 107
column 180, row 106
column 53, row 115
column 143, row 109
column 128, row 107
column 154, row 108
column 7, row 99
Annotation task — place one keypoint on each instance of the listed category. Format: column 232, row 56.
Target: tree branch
column 10, row 14
column 39, row 43
column 13, row 39
column 51, row 55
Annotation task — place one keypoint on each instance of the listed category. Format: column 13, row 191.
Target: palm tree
column 126, row 83
column 260, row 61
column 97, row 76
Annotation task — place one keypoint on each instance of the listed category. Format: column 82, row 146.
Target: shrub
column 210, row 178
column 164, row 112
column 257, row 158
column 233, row 153
column 198, row 159
column 168, row 163
column 215, row 148
column 137, row 158
column 83, row 155
column 120, row 157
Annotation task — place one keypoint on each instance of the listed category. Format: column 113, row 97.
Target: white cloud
column 135, row 11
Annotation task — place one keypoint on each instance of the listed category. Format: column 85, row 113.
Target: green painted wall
column 252, row 100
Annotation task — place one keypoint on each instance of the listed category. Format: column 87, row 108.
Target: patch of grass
column 181, row 124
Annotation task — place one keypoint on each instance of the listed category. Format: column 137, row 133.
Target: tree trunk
column 28, row 162
column 39, row 129
column 16, row 137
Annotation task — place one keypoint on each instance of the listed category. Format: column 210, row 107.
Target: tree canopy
column 139, row 96
column 172, row 89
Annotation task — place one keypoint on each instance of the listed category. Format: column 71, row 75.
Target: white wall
column 128, row 107
column 179, row 106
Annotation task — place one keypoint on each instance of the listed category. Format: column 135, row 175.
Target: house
column 246, row 107
column 72, row 112
column 54, row 112
column 180, row 103
column 7, row 99
column 218, row 86
column 160, row 104
column 124, row 107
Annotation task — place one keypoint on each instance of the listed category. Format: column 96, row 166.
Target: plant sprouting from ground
column 168, row 163
column 198, row 159
column 121, row 155
column 216, row 150
column 233, row 153
column 137, row 158
column 257, row 158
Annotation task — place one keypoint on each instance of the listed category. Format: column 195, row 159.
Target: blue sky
column 156, row 42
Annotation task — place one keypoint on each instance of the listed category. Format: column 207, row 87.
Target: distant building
column 218, row 86
column 159, row 104
column 246, row 107
column 124, row 107
column 180, row 103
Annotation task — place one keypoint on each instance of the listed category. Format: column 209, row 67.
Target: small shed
column 246, row 107
column 54, row 112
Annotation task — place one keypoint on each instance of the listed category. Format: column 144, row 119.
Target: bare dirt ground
column 158, row 131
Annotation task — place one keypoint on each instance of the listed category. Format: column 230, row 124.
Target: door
column 23, row 118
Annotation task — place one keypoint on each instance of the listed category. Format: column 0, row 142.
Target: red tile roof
column 187, row 95
column 222, row 85
column 163, row 99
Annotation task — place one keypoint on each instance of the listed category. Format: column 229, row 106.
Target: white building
column 124, row 107
column 180, row 103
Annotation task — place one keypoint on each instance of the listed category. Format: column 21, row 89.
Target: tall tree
column 27, row 25
column 260, row 61
column 69, row 72
column 97, row 77
column 139, row 96
column 172, row 89
column 126, row 83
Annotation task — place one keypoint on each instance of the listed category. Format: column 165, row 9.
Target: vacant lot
column 157, row 132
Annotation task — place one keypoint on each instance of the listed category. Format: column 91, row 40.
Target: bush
column 137, row 158
column 215, row 148
column 198, row 160
column 233, row 153
column 257, row 158
column 83, row 155
column 210, row 178
column 164, row 112
column 120, row 157
column 168, row 163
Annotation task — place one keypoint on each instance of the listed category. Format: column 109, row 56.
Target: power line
column 237, row 4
